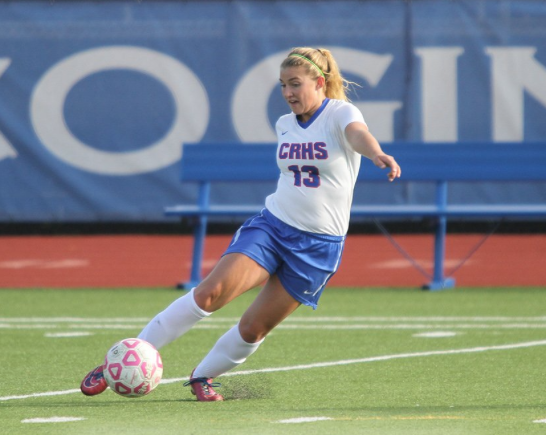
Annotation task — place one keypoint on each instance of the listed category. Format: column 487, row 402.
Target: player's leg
column 233, row 275
column 300, row 264
column 271, row 307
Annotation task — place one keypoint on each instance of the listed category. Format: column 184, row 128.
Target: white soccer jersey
column 318, row 170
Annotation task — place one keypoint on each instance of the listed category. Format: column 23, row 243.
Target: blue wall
column 96, row 98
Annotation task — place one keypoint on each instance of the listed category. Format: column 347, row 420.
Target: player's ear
column 320, row 82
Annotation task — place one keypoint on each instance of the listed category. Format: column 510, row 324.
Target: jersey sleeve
column 348, row 113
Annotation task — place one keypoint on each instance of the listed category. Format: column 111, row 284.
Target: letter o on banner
column 249, row 103
column 189, row 125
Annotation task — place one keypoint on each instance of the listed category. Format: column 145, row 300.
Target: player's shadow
column 247, row 388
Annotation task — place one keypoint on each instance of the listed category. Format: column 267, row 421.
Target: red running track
column 158, row 261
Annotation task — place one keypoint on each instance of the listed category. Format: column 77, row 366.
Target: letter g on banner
column 249, row 104
column 189, row 125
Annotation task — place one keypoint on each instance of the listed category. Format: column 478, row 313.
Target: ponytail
column 320, row 62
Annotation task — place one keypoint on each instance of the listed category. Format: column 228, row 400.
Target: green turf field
column 374, row 361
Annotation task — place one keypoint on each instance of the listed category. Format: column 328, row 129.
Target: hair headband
column 310, row 61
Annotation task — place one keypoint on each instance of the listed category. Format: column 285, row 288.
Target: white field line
column 73, row 319
column 293, row 319
column 389, row 357
column 322, row 364
column 35, row 395
column 304, row 420
column 53, row 420
column 206, row 325
column 67, row 334
column 420, row 326
column 325, row 323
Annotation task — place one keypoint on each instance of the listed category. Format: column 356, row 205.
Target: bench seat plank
column 205, row 164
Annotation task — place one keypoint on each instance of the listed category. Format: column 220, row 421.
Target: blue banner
column 96, row 98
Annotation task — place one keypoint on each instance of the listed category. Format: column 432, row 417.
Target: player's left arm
column 363, row 142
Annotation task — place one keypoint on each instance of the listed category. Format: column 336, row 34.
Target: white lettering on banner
column 379, row 115
column 249, row 104
column 514, row 70
column 439, row 93
column 189, row 125
column 6, row 149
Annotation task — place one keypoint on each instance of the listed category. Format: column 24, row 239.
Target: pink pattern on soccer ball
column 131, row 343
column 133, row 367
column 122, row 389
column 131, row 358
column 145, row 367
column 143, row 388
column 115, row 370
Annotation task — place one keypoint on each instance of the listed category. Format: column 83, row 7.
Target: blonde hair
column 320, row 62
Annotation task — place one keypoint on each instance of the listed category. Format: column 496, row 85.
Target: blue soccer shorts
column 303, row 261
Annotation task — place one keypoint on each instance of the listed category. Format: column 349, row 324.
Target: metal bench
column 441, row 164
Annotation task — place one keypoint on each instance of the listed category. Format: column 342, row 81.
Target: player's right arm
column 364, row 143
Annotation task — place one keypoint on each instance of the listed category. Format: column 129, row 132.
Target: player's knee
column 252, row 333
column 209, row 297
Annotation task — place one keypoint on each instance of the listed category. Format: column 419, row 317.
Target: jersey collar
column 306, row 124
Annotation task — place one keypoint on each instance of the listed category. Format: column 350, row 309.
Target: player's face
column 303, row 94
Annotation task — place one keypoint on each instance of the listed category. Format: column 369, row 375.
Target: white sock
column 177, row 319
column 228, row 352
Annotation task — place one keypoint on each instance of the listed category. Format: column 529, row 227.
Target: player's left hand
column 384, row 161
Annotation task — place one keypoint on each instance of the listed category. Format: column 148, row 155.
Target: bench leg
column 199, row 233
column 438, row 280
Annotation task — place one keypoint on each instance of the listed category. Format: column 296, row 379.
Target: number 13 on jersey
column 310, row 177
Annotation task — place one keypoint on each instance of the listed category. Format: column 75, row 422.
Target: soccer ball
column 132, row 367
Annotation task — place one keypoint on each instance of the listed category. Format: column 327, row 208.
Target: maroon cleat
column 94, row 383
column 202, row 389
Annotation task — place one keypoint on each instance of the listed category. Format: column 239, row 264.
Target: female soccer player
column 295, row 244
